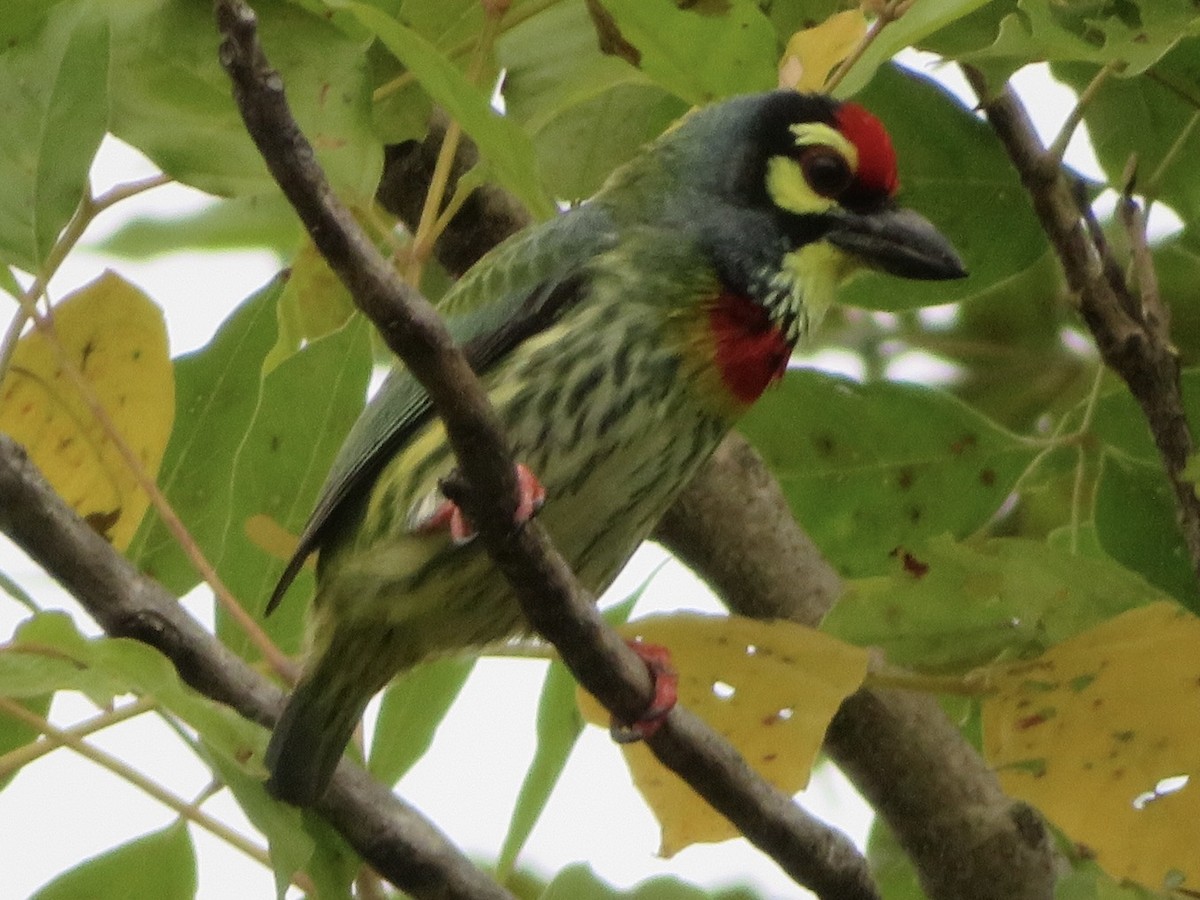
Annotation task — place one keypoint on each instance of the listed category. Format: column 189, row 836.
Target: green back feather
column 512, row 293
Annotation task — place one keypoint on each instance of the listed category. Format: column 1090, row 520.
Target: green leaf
column 892, row 869
column 871, row 468
column 559, row 725
column 48, row 654
column 579, row 880
column 161, row 864
column 700, row 55
column 949, row 607
column 291, row 846
column 54, row 106
column 587, row 112
column 1177, row 262
column 1087, row 881
column 216, row 393
column 413, row 707
column 309, row 401
column 1136, row 34
column 919, row 22
column 239, row 223
column 314, row 303
column 1134, row 503
column 500, row 140
column 172, row 100
column 933, row 134
column 1136, row 525
column 15, row 734
column 1147, row 116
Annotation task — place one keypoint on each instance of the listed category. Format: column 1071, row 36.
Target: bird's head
column 792, row 193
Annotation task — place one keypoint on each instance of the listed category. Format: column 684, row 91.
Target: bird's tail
column 320, row 717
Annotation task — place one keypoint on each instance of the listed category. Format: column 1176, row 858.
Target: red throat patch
column 876, row 157
column 751, row 352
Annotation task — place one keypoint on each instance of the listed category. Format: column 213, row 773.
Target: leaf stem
column 430, row 225
column 522, row 13
column 889, row 12
column 1057, row 150
column 147, row 785
column 22, row 756
column 87, row 211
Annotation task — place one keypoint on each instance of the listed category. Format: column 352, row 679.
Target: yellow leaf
column 812, row 53
column 1102, row 734
column 272, row 538
column 770, row 688
column 116, row 337
column 314, row 303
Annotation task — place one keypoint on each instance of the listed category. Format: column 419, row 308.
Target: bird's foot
column 666, row 691
column 448, row 516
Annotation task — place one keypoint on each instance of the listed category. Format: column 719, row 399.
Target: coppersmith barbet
column 618, row 342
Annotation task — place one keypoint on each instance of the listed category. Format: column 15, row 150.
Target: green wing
column 517, row 290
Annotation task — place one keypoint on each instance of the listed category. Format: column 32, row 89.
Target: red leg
column 666, row 690
column 530, row 498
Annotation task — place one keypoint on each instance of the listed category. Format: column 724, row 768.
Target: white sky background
column 64, row 808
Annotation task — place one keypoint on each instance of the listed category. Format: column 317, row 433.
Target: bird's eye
column 825, row 170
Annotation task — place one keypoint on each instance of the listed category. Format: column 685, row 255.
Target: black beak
column 899, row 242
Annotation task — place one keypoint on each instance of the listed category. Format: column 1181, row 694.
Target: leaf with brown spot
column 1135, row 756
column 115, row 334
column 771, row 688
column 946, row 606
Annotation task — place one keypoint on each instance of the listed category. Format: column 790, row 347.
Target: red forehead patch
column 876, row 158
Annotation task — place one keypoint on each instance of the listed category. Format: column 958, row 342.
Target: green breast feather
column 517, row 290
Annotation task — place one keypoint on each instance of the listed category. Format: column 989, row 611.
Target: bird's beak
column 899, row 242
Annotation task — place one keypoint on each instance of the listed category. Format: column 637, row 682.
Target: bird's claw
column 447, row 516
column 666, row 691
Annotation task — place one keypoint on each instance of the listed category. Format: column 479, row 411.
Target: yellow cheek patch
column 789, row 190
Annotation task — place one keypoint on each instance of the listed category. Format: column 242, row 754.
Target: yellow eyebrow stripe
column 810, row 134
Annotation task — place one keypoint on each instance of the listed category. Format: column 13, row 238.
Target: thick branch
column 393, row 838
column 1129, row 341
column 733, row 526
column 551, row 599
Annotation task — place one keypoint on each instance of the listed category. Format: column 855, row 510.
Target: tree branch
column 1128, row 334
column 945, row 806
column 392, row 837
column 820, row 858
column 732, row 525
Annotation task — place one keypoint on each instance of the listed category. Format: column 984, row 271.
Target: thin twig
column 23, row 756
column 87, row 211
column 1058, row 148
column 889, row 12
column 522, row 13
column 1130, row 343
column 431, row 225
column 66, row 737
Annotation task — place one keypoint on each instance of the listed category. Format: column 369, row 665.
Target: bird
column 618, row 342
